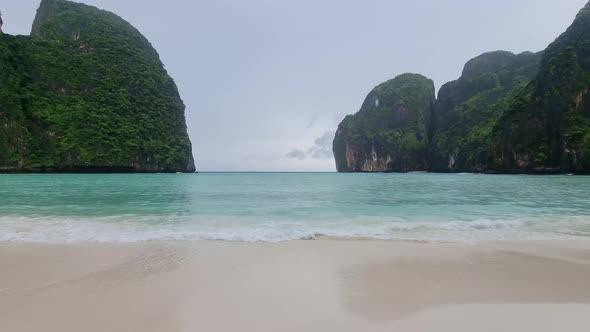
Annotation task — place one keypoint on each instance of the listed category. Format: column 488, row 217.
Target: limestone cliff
column 467, row 110
column 547, row 126
column 390, row 132
column 87, row 92
column 507, row 113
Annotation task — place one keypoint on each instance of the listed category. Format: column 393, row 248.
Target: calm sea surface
column 287, row 206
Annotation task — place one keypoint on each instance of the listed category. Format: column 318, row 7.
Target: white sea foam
column 123, row 229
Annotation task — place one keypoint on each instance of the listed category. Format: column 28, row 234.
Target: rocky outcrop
column 507, row 113
column 547, row 126
column 87, row 92
column 390, row 132
column 467, row 110
column 452, row 133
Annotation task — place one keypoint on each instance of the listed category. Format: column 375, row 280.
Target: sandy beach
column 320, row 285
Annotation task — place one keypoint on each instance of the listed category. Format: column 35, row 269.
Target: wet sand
column 321, row 285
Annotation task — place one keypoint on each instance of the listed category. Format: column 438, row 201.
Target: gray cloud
column 322, row 149
column 297, row 154
column 313, row 120
column 325, row 140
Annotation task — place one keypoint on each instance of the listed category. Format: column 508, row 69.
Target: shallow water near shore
column 287, row 206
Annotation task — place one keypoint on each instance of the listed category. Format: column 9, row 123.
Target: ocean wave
column 128, row 228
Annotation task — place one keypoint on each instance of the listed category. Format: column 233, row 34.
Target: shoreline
column 329, row 284
column 104, row 170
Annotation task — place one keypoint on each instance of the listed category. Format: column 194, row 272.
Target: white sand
column 323, row 285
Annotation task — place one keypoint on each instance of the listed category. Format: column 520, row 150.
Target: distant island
column 87, row 92
column 507, row 113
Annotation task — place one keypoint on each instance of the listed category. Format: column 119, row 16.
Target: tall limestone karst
column 467, row 109
column 389, row 133
column 507, row 113
column 86, row 92
column 547, row 128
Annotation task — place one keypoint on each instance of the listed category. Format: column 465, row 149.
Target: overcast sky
column 266, row 82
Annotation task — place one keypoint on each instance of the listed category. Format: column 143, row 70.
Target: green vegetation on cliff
column 87, row 92
column 389, row 133
column 547, row 128
column 525, row 113
column 467, row 109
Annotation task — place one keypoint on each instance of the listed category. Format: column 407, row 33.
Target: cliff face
column 547, row 127
column 467, row 109
column 390, row 132
column 451, row 134
column 86, row 92
column 507, row 113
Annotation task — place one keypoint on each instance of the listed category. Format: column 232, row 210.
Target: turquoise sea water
column 287, row 206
